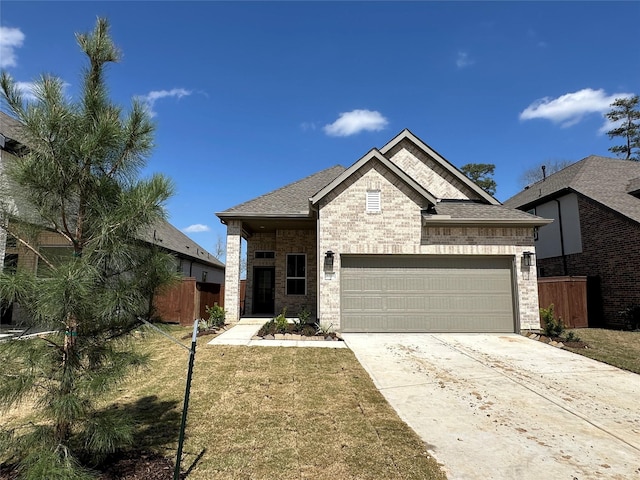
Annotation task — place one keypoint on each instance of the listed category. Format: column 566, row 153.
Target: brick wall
column 283, row 242
column 610, row 251
column 345, row 228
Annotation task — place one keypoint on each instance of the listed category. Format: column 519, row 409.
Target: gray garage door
column 426, row 294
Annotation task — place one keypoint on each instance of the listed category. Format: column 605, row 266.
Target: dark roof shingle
column 292, row 199
column 605, row 180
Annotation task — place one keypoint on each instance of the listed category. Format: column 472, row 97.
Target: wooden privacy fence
column 186, row 301
column 569, row 298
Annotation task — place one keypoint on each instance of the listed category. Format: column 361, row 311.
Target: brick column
column 232, row 272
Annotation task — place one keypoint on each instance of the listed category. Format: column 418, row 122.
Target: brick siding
column 610, row 251
column 346, row 228
column 283, row 242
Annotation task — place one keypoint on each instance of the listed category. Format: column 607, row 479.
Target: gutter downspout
column 564, row 257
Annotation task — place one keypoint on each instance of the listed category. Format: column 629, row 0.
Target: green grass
column 285, row 413
column 618, row 348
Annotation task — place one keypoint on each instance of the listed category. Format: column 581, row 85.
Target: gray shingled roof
column 169, row 237
column 479, row 211
column 634, row 186
column 605, row 180
column 11, row 128
column 163, row 233
column 290, row 200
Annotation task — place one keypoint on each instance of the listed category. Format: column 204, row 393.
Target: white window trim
column 287, row 277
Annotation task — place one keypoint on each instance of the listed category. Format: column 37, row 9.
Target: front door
column 264, row 286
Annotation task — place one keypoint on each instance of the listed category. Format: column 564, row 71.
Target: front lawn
column 618, row 348
column 270, row 413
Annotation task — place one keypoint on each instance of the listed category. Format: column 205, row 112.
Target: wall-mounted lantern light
column 328, row 262
column 527, row 259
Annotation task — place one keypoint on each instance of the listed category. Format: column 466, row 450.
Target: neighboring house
column 399, row 241
column 596, row 205
column 191, row 259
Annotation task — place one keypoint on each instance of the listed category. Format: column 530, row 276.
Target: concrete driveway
column 507, row 407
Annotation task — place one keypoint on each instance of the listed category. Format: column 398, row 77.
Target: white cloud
column 10, row 39
column 26, row 88
column 306, row 126
column 463, row 60
column 571, row 108
column 150, row 98
column 356, row 121
column 196, row 228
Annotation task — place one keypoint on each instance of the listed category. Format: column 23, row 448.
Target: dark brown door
column 264, row 285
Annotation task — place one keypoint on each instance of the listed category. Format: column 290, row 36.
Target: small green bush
column 553, row 327
column 217, row 315
column 303, row 316
column 572, row 337
column 631, row 317
column 281, row 321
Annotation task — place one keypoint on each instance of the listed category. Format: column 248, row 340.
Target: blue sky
column 248, row 97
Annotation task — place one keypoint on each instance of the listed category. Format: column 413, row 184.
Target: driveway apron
column 506, row 407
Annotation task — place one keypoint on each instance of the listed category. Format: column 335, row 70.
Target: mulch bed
column 139, row 466
column 123, row 466
column 571, row 344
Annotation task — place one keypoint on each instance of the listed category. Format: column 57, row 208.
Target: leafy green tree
column 626, row 111
column 482, row 175
column 79, row 179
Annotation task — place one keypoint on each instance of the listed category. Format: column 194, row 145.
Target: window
column 373, row 201
column 262, row 254
column 11, row 262
column 11, row 241
column 296, row 274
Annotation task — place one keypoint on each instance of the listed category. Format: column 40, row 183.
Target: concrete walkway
column 242, row 332
column 505, row 407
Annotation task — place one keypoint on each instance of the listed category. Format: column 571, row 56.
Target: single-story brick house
column 596, row 205
column 400, row 241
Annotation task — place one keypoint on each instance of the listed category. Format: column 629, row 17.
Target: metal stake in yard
column 183, row 424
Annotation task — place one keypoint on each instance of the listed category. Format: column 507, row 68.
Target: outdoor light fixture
column 328, row 262
column 527, row 259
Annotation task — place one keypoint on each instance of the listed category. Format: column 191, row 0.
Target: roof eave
column 494, row 222
column 253, row 216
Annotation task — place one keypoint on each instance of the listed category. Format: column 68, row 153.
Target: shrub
column 631, row 317
column 217, row 315
column 553, row 327
column 303, row 315
column 281, row 321
column 324, row 328
column 572, row 337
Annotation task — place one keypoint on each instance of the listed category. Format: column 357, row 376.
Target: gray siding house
column 400, row 241
column 596, row 233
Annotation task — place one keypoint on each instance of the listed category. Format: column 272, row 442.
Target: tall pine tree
column 626, row 112
column 78, row 178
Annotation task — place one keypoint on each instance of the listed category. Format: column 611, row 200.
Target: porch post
column 232, row 272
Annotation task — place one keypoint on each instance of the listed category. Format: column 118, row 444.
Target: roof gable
column 374, row 155
column 606, row 180
column 434, row 169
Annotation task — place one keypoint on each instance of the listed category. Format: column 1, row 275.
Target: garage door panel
column 422, row 294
